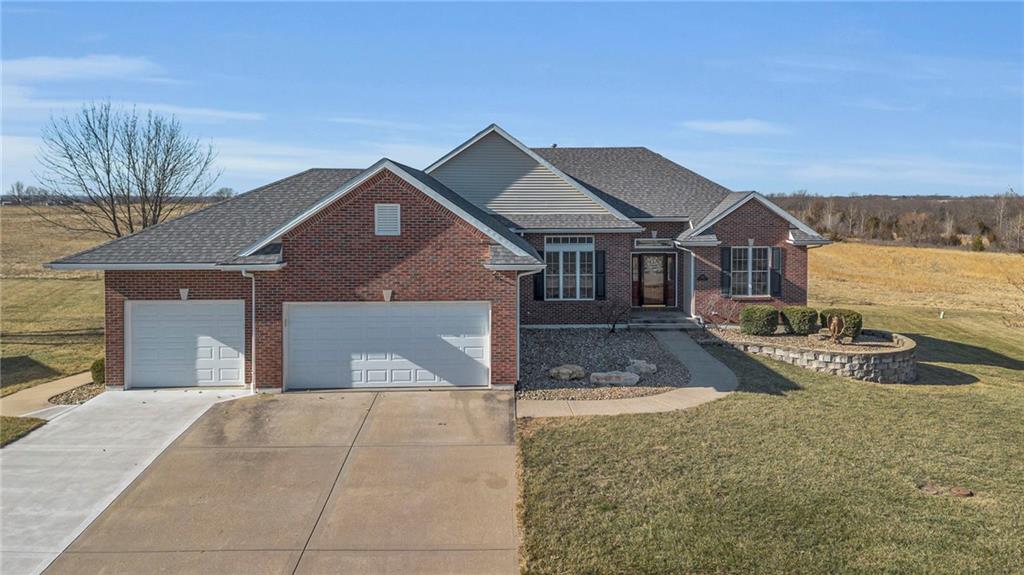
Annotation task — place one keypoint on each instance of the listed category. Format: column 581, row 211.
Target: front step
column 686, row 325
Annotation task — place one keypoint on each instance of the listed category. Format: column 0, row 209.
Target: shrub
column 978, row 244
column 759, row 320
column 799, row 320
column 98, row 373
column 852, row 320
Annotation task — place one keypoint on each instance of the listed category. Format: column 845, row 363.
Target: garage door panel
column 387, row 345
column 181, row 344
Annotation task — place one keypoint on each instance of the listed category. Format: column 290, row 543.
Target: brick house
column 393, row 277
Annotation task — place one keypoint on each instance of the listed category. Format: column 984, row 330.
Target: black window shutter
column 726, row 265
column 776, row 271
column 538, row 282
column 599, row 291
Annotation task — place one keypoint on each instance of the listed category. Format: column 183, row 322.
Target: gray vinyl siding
column 495, row 175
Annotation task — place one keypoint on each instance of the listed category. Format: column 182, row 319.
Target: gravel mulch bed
column 594, row 350
column 80, row 394
column 868, row 342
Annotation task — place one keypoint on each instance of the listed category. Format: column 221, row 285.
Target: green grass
column 52, row 327
column 798, row 472
column 14, row 428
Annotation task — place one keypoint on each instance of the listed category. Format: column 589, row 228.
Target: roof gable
column 737, row 199
column 498, row 173
column 422, row 182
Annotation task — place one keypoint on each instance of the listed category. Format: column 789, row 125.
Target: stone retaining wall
column 896, row 366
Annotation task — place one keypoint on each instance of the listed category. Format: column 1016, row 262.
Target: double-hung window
column 569, row 271
column 750, row 271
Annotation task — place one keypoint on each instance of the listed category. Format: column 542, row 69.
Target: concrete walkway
column 709, row 380
column 34, row 399
column 55, row 481
column 321, row 483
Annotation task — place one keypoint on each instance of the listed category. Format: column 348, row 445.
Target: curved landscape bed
column 877, row 356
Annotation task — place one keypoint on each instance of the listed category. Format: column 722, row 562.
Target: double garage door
column 398, row 344
column 326, row 345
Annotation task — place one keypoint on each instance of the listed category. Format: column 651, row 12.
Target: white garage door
column 185, row 343
column 397, row 344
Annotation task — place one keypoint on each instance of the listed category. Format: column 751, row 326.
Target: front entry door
column 653, row 279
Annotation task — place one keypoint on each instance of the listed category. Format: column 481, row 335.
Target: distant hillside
column 975, row 222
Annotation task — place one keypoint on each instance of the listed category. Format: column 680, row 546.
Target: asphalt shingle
column 638, row 182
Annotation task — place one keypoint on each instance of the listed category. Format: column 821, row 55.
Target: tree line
column 974, row 222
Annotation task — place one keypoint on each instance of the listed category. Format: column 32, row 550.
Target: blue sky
column 832, row 98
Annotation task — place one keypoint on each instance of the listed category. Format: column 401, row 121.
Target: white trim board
column 494, row 128
column 383, row 164
column 767, row 203
column 166, row 266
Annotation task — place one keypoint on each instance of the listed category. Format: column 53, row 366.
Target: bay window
column 569, row 267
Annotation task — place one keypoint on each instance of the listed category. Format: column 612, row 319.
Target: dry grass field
column 51, row 322
column 854, row 273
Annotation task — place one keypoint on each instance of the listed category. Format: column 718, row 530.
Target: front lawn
column 798, row 472
column 14, row 428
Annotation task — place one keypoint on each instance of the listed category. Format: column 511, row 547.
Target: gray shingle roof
column 565, row 221
column 217, row 234
column 727, row 202
column 638, row 182
column 502, row 256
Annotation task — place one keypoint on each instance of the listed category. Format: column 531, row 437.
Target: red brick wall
column 335, row 256
column 617, row 286
column 752, row 220
column 618, row 282
column 164, row 285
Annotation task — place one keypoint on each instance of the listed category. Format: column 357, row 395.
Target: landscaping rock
column 614, row 378
column 641, row 367
column 567, row 372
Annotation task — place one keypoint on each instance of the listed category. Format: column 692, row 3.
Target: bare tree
column 223, row 194
column 116, row 172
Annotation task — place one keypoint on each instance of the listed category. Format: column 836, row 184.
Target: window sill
column 570, row 299
column 752, row 297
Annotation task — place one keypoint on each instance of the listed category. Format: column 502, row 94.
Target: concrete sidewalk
column 34, row 399
column 709, row 380
column 55, row 481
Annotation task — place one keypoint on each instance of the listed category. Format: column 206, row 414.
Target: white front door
column 184, row 343
column 379, row 345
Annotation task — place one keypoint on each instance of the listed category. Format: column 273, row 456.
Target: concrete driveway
column 397, row 482
column 56, row 480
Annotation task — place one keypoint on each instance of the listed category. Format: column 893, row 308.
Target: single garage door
column 397, row 344
column 185, row 343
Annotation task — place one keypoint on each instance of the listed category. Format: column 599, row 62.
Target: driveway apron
column 395, row 482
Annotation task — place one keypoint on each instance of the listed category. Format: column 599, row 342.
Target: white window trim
column 376, row 220
column 577, row 248
column 749, row 292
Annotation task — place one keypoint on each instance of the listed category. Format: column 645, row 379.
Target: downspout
column 519, row 276
column 252, row 329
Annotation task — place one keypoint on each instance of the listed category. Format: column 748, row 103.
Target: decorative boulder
column 567, row 372
column 641, row 367
column 614, row 378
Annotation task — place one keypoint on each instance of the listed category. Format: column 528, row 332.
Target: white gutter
column 167, row 266
column 583, row 231
column 533, row 268
column 252, row 330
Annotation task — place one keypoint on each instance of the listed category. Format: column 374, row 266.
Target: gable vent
column 387, row 219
